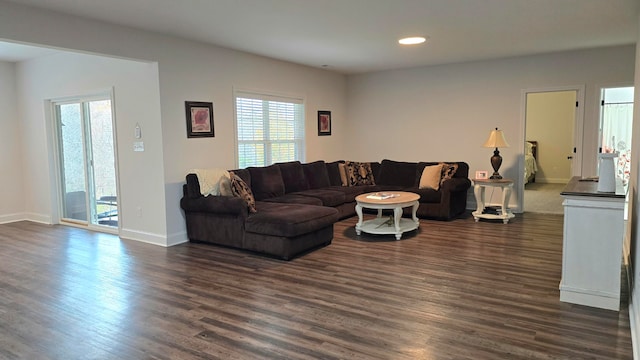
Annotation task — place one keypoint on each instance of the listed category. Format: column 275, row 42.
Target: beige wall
column 445, row 113
column 550, row 118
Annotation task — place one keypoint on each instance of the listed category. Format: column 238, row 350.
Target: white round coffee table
column 395, row 200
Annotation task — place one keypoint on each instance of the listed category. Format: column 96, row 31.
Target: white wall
column 12, row 204
column 136, row 98
column 211, row 74
column 187, row 71
column 445, row 113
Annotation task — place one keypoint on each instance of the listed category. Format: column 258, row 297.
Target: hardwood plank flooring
column 450, row 290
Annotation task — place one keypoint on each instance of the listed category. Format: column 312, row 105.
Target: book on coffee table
column 381, row 196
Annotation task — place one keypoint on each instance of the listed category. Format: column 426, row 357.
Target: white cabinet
column 592, row 247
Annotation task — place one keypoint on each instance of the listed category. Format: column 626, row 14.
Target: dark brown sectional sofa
column 297, row 204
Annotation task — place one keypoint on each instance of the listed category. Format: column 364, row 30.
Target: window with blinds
column 270, row 129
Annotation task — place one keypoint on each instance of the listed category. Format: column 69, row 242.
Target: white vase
column 607, row 173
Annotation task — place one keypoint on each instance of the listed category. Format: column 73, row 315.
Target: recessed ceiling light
column 414, row 40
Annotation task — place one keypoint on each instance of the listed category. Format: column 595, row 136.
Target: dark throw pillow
column 448, row 170
column 359, row 173
column 240, row 189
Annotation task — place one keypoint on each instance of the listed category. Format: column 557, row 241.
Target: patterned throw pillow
column 448, row 170
column 240, row 189
column 359, row 173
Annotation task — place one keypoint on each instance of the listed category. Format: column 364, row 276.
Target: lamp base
column 496, row 161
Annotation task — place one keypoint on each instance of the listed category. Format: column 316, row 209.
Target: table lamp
column 496, row 140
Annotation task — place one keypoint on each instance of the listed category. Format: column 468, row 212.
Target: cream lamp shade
column 496, row 140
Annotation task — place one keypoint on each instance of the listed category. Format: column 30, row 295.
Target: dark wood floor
column 450, row 290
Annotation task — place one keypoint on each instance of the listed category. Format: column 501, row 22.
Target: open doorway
column 86, row 162
column 551, row 157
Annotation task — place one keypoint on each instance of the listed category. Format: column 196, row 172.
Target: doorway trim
column 53, row 149
column 578, row 132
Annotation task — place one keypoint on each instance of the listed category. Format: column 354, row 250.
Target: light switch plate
column 138, row 146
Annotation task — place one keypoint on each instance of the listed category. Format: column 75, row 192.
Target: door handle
column 569, row 157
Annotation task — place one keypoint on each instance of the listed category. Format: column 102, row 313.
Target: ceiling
column 357, row 36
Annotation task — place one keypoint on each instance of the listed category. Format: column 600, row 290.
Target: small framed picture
column 199, row 119
column 482, row 174
column 324, row 122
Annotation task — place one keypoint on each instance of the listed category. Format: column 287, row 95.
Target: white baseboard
column 634, row 321
column 552, row 180
column 177, row 238
column 9, row 218
column 39, row 218
column 634, row 307
column 145, row 237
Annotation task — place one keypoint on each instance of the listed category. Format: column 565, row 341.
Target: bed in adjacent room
column 530, row 165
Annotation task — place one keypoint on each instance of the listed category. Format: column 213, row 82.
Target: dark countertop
column 576, row 187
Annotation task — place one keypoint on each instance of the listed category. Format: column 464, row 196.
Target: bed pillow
column 242, row 190
column 430, row 178
column 529, row 148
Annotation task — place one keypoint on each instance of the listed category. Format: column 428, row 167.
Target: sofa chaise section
column 283, row 230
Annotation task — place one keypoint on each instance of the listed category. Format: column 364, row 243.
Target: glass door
column 616, row 122
column 87, row 162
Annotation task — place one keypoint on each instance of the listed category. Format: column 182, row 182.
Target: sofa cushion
column 350, row 192
column 244, row 174
column 289, row 220
column 328, row 197
column 266, row 182
column 375, row 168
column 431, row 176
column 316, row 174
column 359, row 173
column 398, row 173
column 295, row 199
column 333, row 169
column 427, row 195
column 293, row 176
column 240, row 189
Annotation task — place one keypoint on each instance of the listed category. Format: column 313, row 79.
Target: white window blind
column 270, row 129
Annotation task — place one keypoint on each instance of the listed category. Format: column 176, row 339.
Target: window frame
column 299, row 142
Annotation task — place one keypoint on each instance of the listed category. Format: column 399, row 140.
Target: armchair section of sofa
column 448, row 202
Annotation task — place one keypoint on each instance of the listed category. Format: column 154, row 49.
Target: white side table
column 505, row 185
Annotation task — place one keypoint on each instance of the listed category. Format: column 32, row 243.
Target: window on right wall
column 270, row 129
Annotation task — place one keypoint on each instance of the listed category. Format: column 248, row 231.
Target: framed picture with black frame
column 199, row 119
column 324, row 122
